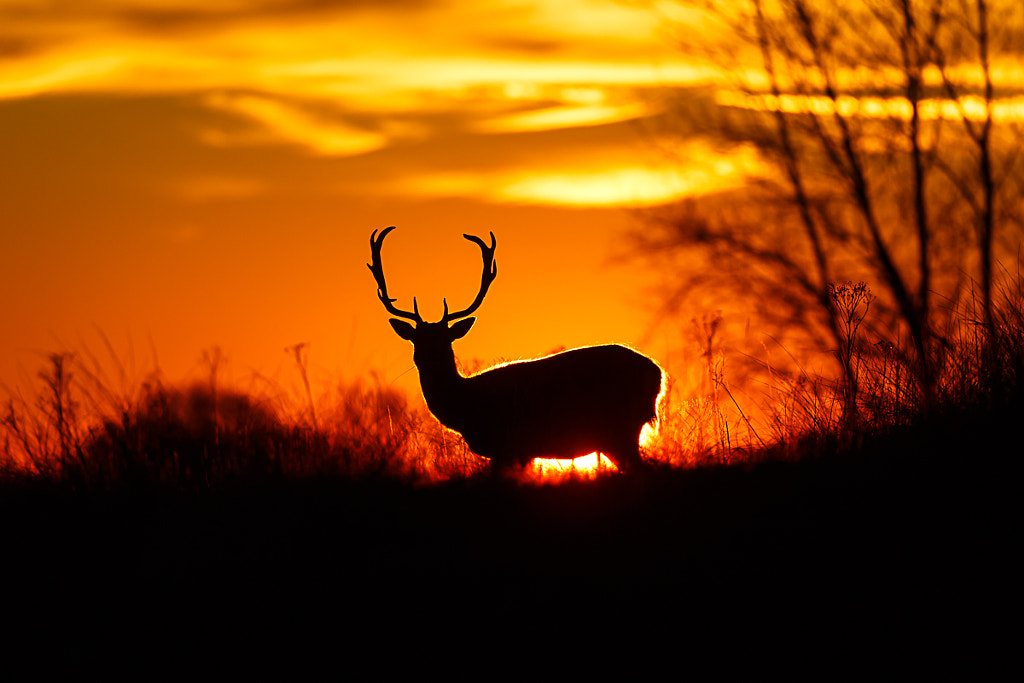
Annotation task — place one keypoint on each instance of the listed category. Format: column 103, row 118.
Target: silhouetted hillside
column 901, row 548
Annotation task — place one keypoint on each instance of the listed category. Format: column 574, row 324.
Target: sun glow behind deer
column 552, row 469
column 586, row 466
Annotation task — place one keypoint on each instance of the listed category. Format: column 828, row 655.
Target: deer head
column 432, row 341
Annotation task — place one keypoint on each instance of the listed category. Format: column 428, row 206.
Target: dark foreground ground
column 897, row 559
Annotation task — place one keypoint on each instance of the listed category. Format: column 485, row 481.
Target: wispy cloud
column 290, row 122
column 584, row 181
column 348, row 78
column 412, row 43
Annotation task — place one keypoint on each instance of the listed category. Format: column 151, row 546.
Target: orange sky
column 180, row 174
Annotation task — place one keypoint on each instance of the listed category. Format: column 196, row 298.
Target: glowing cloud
column 613, row 182
column 291, row 123
column 623, row 186
column 47, row 75
column 568, row 116
column 283, row 47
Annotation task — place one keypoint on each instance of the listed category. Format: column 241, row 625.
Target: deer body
column 562, row 406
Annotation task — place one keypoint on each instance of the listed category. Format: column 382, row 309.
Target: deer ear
column 403, row 329
column 458, row 330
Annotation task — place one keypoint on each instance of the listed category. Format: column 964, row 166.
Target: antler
column 489, row 273
column 377, row 269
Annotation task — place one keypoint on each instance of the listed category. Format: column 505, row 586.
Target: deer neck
column 443, row 386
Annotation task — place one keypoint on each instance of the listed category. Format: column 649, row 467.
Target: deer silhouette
column 565, row 405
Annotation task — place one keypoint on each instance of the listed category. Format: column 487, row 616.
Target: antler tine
column 377, row 268
column 490, row 272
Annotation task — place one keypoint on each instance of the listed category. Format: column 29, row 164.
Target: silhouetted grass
column 80, row 432
column 978, row 369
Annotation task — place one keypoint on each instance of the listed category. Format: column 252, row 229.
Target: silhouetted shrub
column 201, row 436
